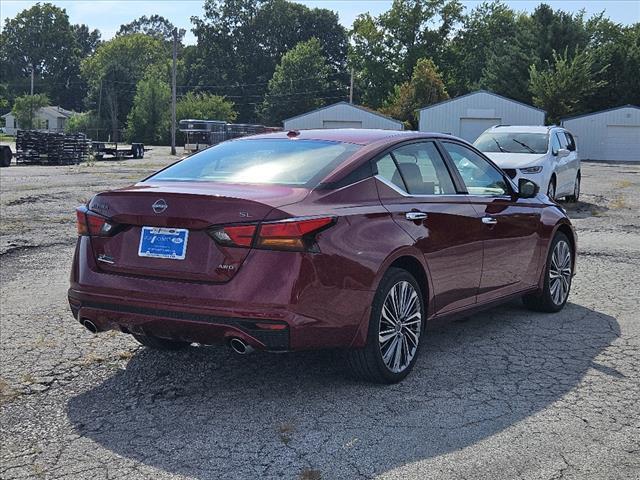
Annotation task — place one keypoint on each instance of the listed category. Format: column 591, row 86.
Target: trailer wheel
column 5, row 156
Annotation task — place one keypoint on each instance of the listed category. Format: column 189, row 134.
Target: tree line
column 261, row 61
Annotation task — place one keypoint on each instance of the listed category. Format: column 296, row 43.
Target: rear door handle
column 415, row 215
column 489, row 220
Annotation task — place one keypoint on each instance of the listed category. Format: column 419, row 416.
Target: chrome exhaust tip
column 240, row 346
column 89, row 325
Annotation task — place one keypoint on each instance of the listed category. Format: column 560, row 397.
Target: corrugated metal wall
column 455, row 116
column 607, row 135
column 341, row 113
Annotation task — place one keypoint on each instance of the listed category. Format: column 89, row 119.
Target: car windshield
column 272, row 161
column 512, row 142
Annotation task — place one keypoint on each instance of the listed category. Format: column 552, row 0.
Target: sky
column 108, row 15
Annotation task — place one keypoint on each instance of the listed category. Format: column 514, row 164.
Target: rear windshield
column 513, row 142
column 273, row 161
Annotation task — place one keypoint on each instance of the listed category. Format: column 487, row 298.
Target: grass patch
column 7, row 393
column 285, row 431
column 310, row 474
column 618, row 203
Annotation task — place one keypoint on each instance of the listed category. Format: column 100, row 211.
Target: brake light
column 92, row 224
column 291, row 234
column 295, row 234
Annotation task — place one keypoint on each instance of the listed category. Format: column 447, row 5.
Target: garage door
column 622, row 142
column 471, row 128
column 341, row 124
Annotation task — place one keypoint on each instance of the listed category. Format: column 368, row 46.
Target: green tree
column 240, row 43
column 563, row 86
column 155, row 25
column 84, row 122
column 113, row 71
column 385, row 49
column 25, row 108
column 291, row 91
column 41, row 38
column 149, row 120
column 426, row 87
column 205, row 106
column 489, row 26
column 87, row 40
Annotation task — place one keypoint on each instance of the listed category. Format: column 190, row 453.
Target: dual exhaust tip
column 237, row 344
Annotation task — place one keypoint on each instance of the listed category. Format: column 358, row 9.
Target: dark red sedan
column 350, row 239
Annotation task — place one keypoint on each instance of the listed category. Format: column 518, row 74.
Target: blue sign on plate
column 163, row 242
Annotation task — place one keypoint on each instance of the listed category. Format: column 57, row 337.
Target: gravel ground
column 503, row 394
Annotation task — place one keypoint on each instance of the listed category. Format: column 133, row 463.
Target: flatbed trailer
column 118, row 151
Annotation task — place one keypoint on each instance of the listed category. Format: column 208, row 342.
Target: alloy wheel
column 551, row 191
column 400, row 324
column 576, row 188
column 560, row 272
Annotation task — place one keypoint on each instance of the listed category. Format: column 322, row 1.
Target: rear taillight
column 92, row 224
column 290, row 234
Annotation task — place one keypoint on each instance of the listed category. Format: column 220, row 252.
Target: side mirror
column 527, row 188
column 563, row 152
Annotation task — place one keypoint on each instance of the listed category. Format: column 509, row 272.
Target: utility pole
column 99, row 124
column 31, row 101
column 173, row 92
column 351, row 88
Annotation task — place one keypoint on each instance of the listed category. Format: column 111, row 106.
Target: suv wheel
column 576, row 190
column 395, row 330
column 551, row 189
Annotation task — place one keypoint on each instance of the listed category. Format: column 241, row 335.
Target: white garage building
column 612, row 134
column 469, row 115
column 342, row 115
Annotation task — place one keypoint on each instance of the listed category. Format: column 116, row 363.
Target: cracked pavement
column 503, row 394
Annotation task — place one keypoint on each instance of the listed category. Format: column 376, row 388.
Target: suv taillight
column 296, row 234
column 92, row 224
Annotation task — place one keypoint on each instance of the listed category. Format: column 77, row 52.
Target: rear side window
column 266, row 161
column 388, row 170
column 478, row 175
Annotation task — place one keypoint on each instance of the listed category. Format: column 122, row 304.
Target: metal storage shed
column 342, row 115
column 469, row 115
column 612, row 134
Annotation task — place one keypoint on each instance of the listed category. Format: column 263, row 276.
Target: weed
column 286, row 432
column 310, row 474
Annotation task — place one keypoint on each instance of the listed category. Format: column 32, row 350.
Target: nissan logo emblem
column 159, row 206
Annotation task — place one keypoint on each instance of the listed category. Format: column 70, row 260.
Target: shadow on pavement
column 208, row 413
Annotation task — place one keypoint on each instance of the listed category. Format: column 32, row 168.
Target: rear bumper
column 276, row 301
column 181, row 325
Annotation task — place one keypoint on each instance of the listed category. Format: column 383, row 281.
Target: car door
column 573, row 162
column 561, row 164
column 509, row 225
column 417, row 188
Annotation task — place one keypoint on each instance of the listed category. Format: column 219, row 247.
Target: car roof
column 522, row 128
column 360, row 136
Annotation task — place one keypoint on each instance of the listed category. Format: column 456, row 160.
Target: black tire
column 544, row 301
column 576, row 190
column 5, row 156
column 160, row 343
column 551, row 188
column 367, row 363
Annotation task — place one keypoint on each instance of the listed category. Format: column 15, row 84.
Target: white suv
column 546, row 155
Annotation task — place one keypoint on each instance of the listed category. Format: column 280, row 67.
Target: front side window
column 512, row 142
column 423, row 170
column 264, row 161
column 478, row 175
column 555, row 144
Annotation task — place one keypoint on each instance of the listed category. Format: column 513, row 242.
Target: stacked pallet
column 50, row 148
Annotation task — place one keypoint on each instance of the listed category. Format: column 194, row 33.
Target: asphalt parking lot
column 501, row 395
